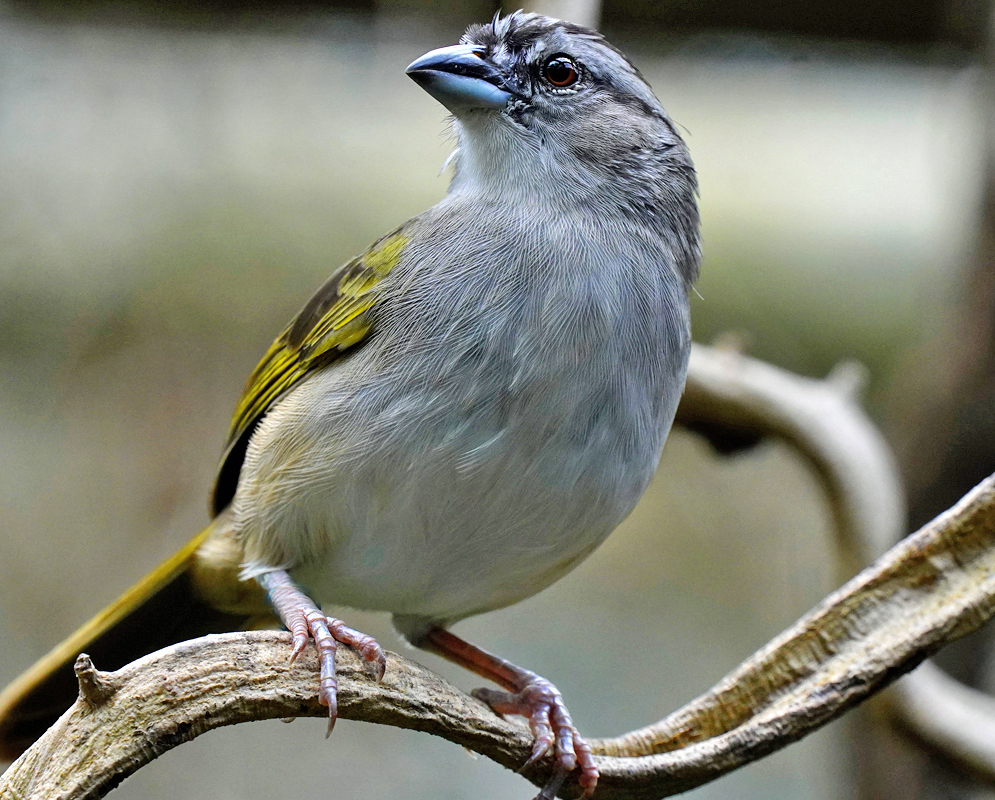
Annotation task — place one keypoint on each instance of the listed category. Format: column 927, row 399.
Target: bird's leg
column 532, row 697
column 304, row 619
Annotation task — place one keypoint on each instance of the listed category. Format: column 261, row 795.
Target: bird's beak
column 461, row 79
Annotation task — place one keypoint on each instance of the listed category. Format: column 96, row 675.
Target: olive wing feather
column 334, row 321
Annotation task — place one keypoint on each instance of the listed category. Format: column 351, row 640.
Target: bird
column 463, row 413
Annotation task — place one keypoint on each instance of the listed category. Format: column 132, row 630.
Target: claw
column 550, row 790
column 380, row 665
column 300, row 642
column 539, row 751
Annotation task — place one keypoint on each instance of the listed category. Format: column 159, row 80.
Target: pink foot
column 529, row 695
column 305, row 620
column 540, row 702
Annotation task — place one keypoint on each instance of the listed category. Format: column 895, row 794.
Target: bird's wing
column 333, row 321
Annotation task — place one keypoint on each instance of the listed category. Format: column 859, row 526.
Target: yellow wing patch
column 333, row 321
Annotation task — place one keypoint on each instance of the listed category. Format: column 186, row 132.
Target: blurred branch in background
column 928, row 590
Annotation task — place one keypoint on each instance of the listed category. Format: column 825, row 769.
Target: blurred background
column 177, row 179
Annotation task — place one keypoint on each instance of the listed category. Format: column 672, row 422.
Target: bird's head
column 550, row 110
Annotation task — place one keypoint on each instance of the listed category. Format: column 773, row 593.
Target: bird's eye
column 561, row 71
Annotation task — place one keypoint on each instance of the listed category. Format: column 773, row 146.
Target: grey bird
column 463, row 413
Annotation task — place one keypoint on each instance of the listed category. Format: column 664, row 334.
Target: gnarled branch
column 926, row 591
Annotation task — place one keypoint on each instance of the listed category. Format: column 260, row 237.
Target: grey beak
column 460, row 78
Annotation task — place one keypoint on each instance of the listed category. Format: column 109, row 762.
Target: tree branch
column 823, row 422
column 926, row 591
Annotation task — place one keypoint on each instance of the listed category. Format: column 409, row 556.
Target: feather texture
column 333, row 321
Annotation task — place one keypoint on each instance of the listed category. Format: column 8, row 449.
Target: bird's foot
column 529, row 695
column 540, row 702
column 305, row 620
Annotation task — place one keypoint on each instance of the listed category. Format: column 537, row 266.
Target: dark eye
column 561, row 71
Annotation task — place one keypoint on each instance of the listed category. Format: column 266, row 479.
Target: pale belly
column 440, row 544
column 438, row 510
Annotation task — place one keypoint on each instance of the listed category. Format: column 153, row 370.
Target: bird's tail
column 161, row 609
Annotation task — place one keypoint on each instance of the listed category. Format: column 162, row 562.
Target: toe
column 502, row 702
column 366, row 646
column 588, row 769
column 545, row 738
column 326, row 646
